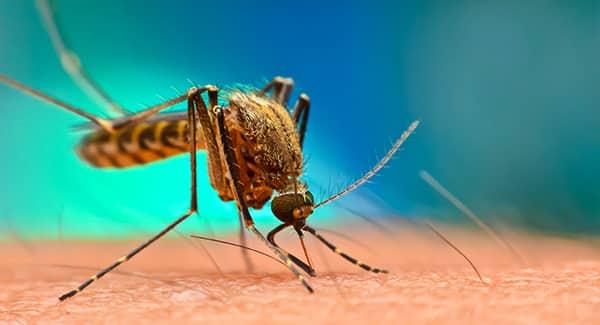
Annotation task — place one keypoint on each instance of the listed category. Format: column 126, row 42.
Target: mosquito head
column 293, row 208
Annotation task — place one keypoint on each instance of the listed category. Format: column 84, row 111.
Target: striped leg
column 307, row 268
column 207, row 118
column 342, row 254
column 244, row 242
column 242, row 206
column 192, row 94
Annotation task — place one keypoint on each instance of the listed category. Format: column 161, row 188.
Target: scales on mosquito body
column 253, row 144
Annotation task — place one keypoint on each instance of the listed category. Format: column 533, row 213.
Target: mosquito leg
column 192, row 209
column 281, row 89
column 207, row 121
column 71, row 62
column 243, row 241
column 342, row 254
column 271, row 238
column 300, row 115
column 146, row 113
column 106, row 124
column 233, row 168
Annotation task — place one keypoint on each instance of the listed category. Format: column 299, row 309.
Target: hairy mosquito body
column 254, row 151
column 263, row 138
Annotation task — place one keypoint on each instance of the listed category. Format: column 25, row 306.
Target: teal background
column 506, row 91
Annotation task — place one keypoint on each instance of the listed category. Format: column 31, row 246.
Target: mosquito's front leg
column 233, row 168
column 207, row 124
column 338, row 251
column 192, row 95
column 207, row 119
column 281, row 87
column 244, row 242
column 300, row 115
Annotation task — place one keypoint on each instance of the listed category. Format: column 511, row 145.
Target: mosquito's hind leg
column 243, row 240
column 103, row 123
column 234, row 171
column 71, row 62
column 106, row 124
column 192, row 94
column 73, row 67
column 281, row 87
column 300, row 115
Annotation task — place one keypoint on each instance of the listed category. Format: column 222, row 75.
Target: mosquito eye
column 283, row 207
column 289, row 207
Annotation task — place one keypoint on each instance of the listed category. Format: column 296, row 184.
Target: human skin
column 551, row 280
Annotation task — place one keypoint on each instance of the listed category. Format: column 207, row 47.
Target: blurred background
column 506, row 92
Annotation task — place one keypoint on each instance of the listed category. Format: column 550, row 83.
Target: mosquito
column 253, row 142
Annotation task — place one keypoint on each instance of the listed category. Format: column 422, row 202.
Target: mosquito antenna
column 376, row 168
column 237, row 245
column 439, row 234
column 338, row 251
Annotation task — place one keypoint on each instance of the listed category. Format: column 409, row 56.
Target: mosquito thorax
column 293, row 208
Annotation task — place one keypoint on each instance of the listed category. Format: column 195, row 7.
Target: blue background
column 507, row 93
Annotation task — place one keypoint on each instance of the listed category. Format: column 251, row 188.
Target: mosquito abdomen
column 139, row 144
